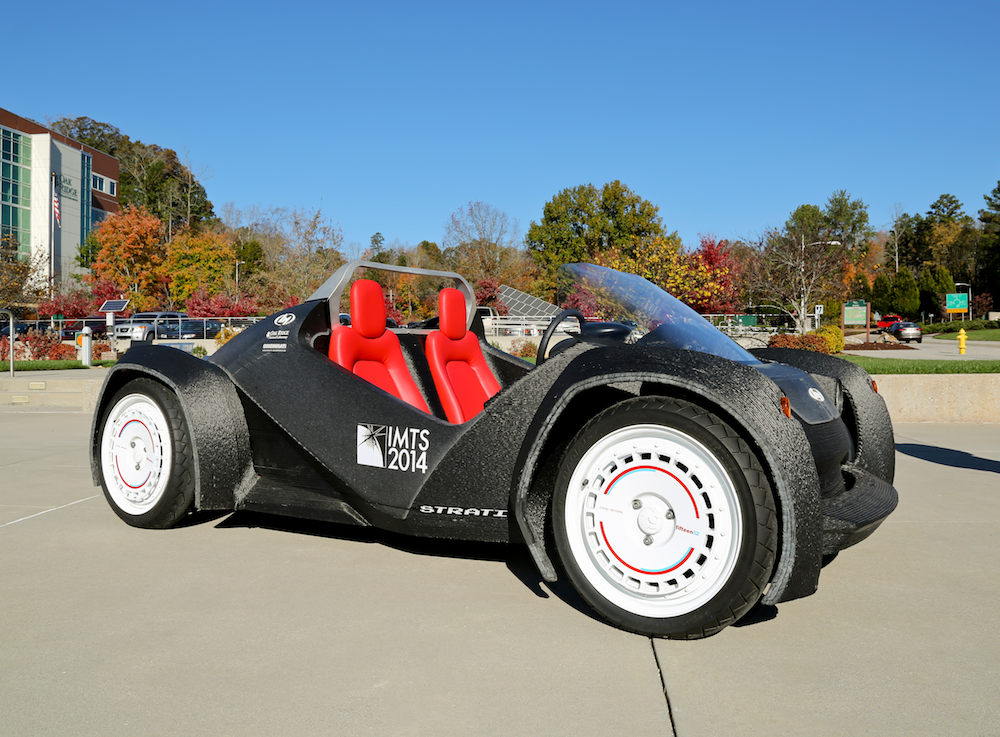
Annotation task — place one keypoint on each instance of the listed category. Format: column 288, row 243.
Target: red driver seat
column 371, row 352
column 461, row 375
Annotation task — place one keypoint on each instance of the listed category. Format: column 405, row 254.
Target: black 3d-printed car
column 675, row 478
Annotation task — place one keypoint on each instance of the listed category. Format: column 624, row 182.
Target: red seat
column 463, row 379
column 371, row 352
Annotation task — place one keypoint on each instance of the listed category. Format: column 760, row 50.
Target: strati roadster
column 673, row 477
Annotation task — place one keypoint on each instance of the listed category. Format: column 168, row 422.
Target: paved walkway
column 255, row 625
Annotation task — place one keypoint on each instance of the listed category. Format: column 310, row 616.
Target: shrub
column 225, row 335
column 523, row 348
column 801, row 342
column 833, row 336
column 97, row 348
column 199, row 351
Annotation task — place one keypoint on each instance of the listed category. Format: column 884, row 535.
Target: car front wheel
column 663, row 519
column 145, row 456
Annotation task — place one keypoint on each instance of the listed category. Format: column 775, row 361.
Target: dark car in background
column 192, row 328
column 906, row 331
column 98, row 325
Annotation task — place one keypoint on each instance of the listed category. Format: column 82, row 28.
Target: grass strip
column 47, row 365
column 971, row 335
column 920, row 366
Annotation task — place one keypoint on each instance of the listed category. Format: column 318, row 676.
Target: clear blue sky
column 390, row 116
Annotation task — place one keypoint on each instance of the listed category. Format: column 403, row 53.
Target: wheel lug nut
column 648, row 540
column 669, row 514
column 636, row 504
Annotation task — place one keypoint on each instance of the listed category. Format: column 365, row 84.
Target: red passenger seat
column 462, row 377
column 371, row 352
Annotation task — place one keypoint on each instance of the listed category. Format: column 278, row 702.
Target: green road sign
column 854, row 303
column 856, row 315
column 957, row 302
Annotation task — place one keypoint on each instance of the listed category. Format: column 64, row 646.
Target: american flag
column 55, row 207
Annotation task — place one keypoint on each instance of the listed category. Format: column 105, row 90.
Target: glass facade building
column 53, row 191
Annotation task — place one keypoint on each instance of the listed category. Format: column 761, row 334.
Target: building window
column 98, row 183
column 112, row 188
column 15, row 188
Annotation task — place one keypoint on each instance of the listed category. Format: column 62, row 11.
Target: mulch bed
column 878, row 347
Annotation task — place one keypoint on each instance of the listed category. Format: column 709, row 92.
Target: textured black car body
column 276, row 426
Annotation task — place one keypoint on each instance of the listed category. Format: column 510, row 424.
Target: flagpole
column 52, row 231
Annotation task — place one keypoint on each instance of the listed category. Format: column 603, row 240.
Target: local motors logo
column 394, row 448
column 816, row 394
column 286, row 318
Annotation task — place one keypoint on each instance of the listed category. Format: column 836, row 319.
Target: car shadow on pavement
column 515, row 556
column 948, row 457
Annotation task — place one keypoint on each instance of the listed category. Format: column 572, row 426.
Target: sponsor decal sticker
column 393, row 448
column 285, row 318
column 277, row 334
column 274, row 347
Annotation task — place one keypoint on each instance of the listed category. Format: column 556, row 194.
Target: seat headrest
column 367, row 308
column 451, row 310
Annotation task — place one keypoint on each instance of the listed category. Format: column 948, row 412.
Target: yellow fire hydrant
column 961, row 342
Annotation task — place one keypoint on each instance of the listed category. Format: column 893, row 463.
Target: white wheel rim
column 653, row 521
column 136, row 454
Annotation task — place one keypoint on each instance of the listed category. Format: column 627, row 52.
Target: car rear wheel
column 663, row 519
column 145, row 456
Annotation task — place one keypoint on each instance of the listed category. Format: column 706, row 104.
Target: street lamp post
column 802, row 274
column 969, row 309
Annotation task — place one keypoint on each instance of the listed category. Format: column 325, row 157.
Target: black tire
column 145, row 455
column 695, row 541
column 148, row 337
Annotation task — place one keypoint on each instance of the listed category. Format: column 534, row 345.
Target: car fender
column 744, row 396
column 868, row 421
column 223, row 467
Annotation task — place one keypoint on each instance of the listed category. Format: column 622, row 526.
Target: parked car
column 678, row 480
column 98, row 325
column 906, row 331
column 145, row 326
column 20, row 328
column 888, row 321
column 192, row 328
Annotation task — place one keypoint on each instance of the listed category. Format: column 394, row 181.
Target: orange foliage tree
column 130, row 256
column 662, row 260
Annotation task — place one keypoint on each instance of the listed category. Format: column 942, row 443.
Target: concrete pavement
column 253, row 625
column 935, row 348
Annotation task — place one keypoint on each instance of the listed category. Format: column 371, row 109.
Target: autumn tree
column 196, row 260
column 580, row 223
column 21, row 280
column 721, row 291
column 481, row 242
column 662, row 261
column 131, row 253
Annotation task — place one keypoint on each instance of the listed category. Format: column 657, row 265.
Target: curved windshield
column 656, row 315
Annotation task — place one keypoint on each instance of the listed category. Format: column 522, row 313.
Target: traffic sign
column 957, row 302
